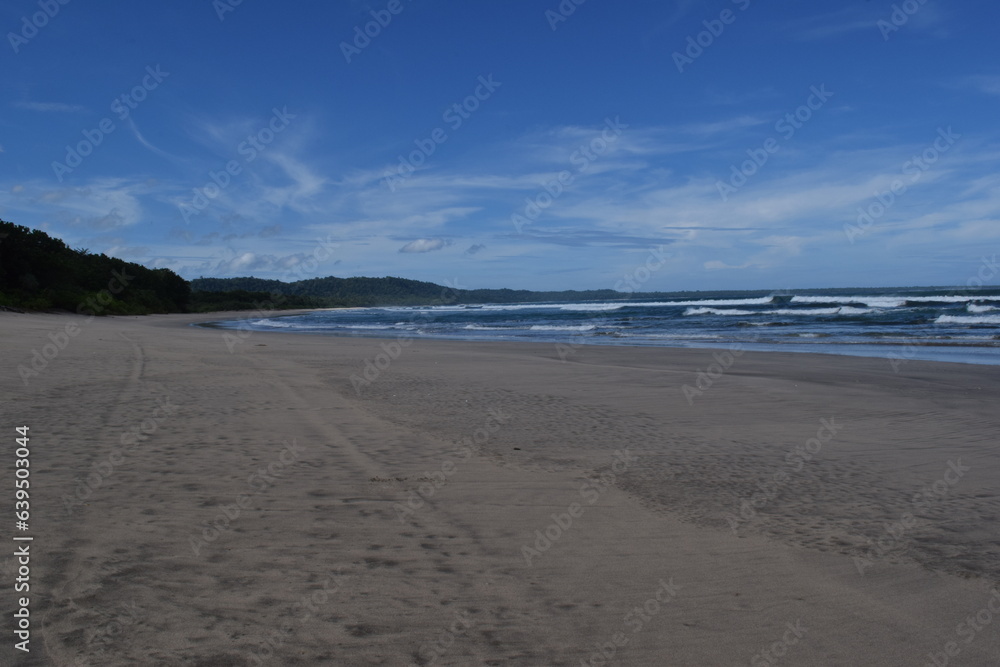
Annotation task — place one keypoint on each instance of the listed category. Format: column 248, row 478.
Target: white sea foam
column 373, row 327
column 479, row 327
column 545, row 327
column 891, row 301
column 942, row 299
column 961, row 319
column 275, row 324
column 665, row 336
column 803, row 311
column 839, row 310
column 973, row 308
column 711, row 302
column 588, row 307
column 717, row 311
column 583, row 307
column 870, row 301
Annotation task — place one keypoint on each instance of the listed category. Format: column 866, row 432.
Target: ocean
column 937, row 324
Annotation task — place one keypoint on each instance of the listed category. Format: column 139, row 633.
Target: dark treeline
column 208, row 302
column 391, row 291
column 38, row 272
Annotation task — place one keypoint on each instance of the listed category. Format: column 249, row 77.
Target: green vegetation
column 38, row 272
column 390, row 291
column 209, row 302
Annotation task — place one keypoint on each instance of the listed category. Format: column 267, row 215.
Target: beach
column 216, row 497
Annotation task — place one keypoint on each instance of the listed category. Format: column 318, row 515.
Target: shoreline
column 895, row 354
column 481, row 501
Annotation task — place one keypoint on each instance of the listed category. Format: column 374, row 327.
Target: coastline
column 483, row 501
column 895, row 354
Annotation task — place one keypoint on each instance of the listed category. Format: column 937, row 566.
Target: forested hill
column 390, row 291
column 38, row 272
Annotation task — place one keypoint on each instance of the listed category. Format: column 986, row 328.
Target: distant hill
column 390, row 291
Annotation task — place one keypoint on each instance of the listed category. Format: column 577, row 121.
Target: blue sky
column 751, row 144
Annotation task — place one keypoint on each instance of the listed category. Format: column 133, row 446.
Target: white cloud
column 423, row 245
column 716, row 265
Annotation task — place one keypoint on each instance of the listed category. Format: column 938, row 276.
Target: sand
column 495, row 504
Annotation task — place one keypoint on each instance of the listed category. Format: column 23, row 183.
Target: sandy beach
column 218, row 498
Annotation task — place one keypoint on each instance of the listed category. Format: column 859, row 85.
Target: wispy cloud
column 830, row 26
column 100, row 204
column 594, row 238
column 861, row 18
column 724, row 126
column 987, row 84
column 49, row 107
column 146, row 144
column 792, row 211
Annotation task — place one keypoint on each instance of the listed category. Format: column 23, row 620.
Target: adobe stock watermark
column 30, row 25
column 129, row 440
column 967, row 630
column 363, row 35
column 795, row 459
column 641, row 274
column 895, row 532
column 59, row 340
column 899, row 17
column 375, row 367
column 697, row 44
column 305, row 608
column 590, row 491
column 109, row 632
column 258, row 482
column 223, row 7
column 121, row 106
column 249, row 149
column 562, row 13
column 321, row 252
column 429, row 653
column 706, row 378
column 455, row 117
column 914, row 169
column 772, row 655
column 786, row 127
column 581, row 159
column 630, row 283
column 435, row 481
column 988, row 270
column 635, row 620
